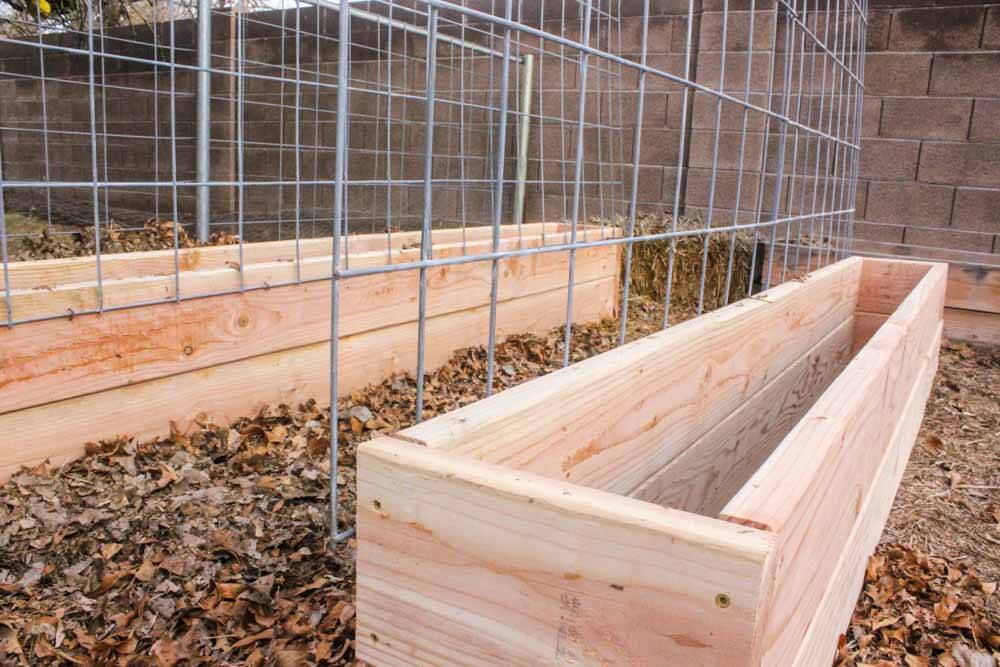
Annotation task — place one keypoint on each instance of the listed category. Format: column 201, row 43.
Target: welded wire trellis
column 296, row 120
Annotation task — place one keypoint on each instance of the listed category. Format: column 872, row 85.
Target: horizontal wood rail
column 705, row 495
column 134, row 371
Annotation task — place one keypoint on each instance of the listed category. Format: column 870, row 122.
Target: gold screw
column 722, row 600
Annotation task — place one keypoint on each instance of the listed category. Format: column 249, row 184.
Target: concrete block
column 991, row 29
column 968, row 74
column 897, row 73
column 876, row 231
column 878, row 30
column 936, row 29
column 977, row 209
column 889, row 159
column 917, row 204
column 985, row 121
column 925, row 118
column 960, row 164
column 949, row 238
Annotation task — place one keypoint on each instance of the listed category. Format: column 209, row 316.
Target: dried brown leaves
column 918, row 610
column 942, row 608
column 210, row 547
column 80, row 242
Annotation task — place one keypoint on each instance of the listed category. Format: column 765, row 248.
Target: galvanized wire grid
column 437, row 114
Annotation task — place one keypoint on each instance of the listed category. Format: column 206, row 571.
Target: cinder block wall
column 930, row 172
column 134, row 104
column 930, row 168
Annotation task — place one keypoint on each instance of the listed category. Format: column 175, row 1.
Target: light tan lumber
column 56, row 359
column 83, row 297
column 834, row 612
column 610, row 422
column 973, row 288
column 49, row 273
column 972, row 283
column 865, row 326
column 834, row 452
column 58, row 430
column 972, row 326
column 704, row 477
column 886, row 283
column 465, row 563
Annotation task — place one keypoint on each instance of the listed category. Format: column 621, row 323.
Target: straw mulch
column 651, row 261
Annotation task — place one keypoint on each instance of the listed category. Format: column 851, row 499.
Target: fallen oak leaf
column 934, row 444
column 146, row 571
column 945, row 606
column 246, row 641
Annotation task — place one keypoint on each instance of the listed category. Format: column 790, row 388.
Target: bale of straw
column 651, row 259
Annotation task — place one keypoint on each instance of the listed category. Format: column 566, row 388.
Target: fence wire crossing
column 320, row 130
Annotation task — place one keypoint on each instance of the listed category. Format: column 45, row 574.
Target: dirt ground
column 210, row 547
column 930, row 593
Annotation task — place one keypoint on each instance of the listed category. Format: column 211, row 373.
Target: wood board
column 442, row 498
column 58, row 431
column 55, row 359
column 972, row 299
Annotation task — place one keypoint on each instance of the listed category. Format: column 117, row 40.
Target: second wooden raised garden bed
column 708, row 495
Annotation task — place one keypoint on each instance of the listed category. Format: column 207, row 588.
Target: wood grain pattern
column 865, row 326
column 834, row 452
column 973, row 288
column 58, row 430
column 704, row 477
column 886, row 283
column 465, row 563
column 52, row 360
column 623, row 415
column 50, row 273
column 972, row 326
column 151, row 289
column 973, row 278
column 834, row 611
column 469, row 544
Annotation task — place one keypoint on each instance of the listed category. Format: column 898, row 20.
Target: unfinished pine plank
column 616, row 443
column 58, row 430
column 56, row 359
column 84, row 297
column 466, row 563
column 886, row 283
column 971, row 285
column 865, row 326
column 704, row 477
column 972, row 326
column 837, row 604
column 973, row 288
column 834, row 452
column 49, row 273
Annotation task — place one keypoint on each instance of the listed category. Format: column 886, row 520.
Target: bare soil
column 210, row 547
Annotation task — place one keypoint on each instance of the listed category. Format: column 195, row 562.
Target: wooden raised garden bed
column 136, row 371
column 708, row 495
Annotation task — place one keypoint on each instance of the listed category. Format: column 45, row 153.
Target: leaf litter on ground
column 210, row 546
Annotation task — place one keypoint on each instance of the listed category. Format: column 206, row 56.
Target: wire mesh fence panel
column 194, row 150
